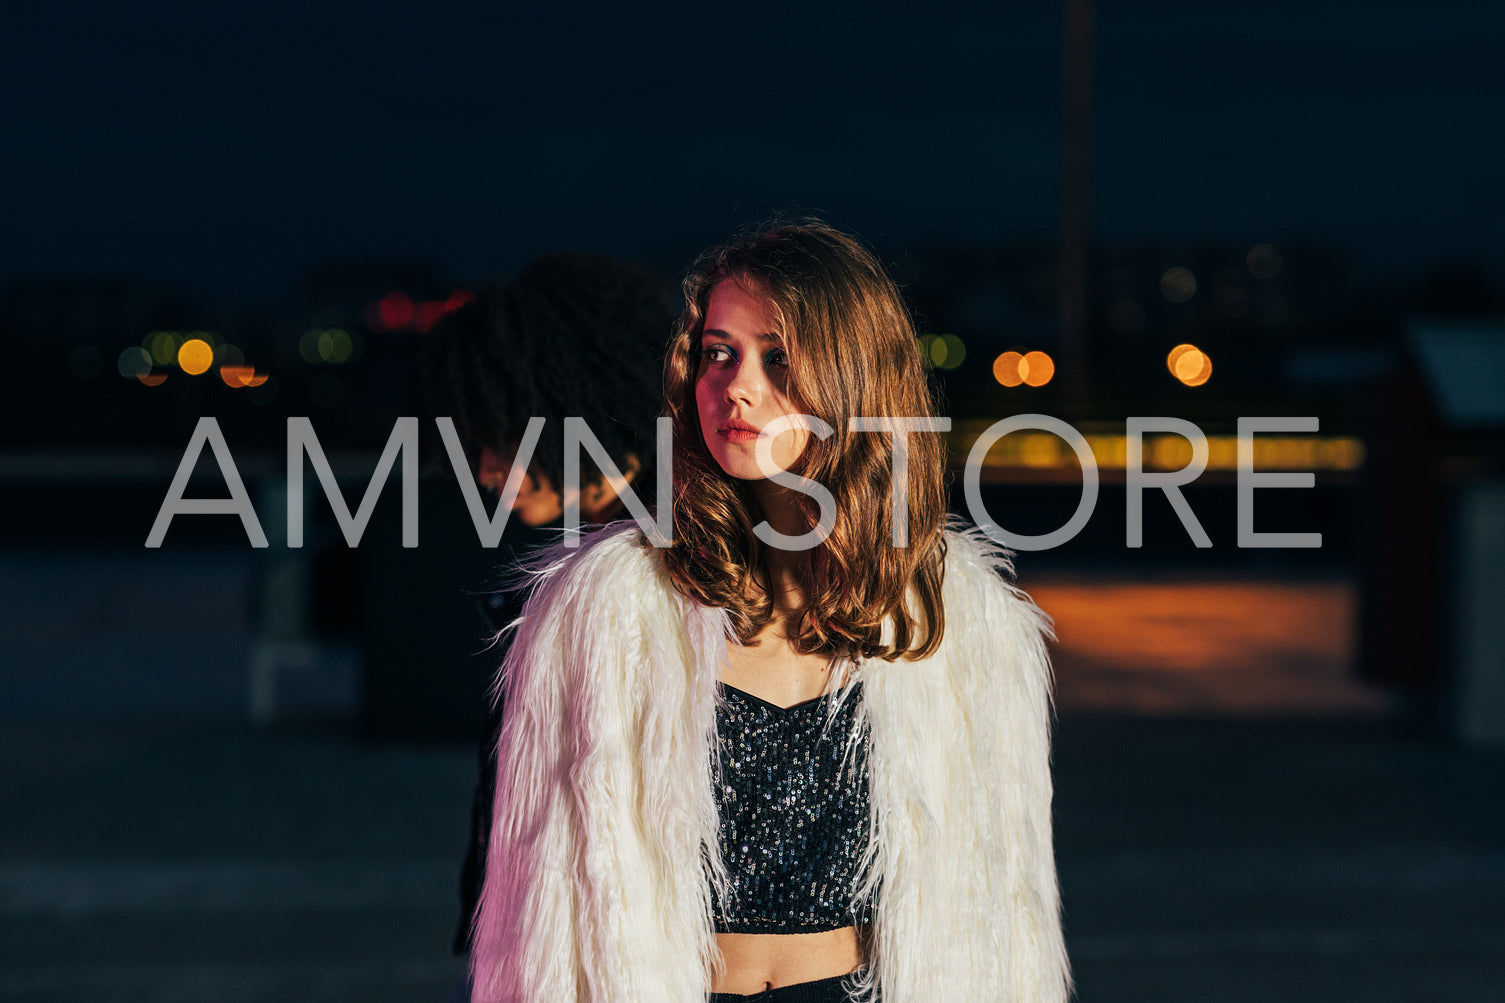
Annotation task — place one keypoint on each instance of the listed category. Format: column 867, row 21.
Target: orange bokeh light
column 241, row 376
column 1033, row 368
column 152, row 379
column 1189, row 364
column 1037, row 368
column 1006, row 369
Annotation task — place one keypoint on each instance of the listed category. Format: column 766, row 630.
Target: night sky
column 231, row 149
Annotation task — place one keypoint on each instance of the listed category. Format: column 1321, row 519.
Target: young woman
column 801, row 753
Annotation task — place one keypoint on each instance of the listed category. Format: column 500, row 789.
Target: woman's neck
column 786, row 571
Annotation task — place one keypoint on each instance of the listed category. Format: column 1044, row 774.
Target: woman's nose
column 746, row 384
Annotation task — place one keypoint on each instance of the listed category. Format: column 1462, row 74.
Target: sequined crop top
column 794, row 815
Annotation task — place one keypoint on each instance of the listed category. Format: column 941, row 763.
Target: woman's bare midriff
column 753, row 962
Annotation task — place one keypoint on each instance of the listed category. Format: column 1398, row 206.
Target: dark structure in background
column 1433, row 585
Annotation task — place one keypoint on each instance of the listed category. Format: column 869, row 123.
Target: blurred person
column 742, row 765
column 572, row 335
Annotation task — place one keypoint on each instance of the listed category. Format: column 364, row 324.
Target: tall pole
column 1076, row 154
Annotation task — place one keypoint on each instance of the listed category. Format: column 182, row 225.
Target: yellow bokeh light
column 951, row 353
column 195, row 356
column 937, row 351
column 308, row 345
column 1037, row 368
column 1165, row 452
column 163, row 346
column 1189, row 364
column 1040, row 449
column 1168, row 452
column 334, row 345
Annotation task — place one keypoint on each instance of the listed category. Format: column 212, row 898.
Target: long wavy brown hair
column 853, row 352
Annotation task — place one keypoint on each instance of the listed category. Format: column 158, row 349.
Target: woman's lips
column 736, row 431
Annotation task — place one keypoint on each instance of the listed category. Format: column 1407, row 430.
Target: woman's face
column 743, row 384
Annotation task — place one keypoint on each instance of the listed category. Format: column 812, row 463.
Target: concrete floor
column 1259, row 828
column 1200, row 860
column 193, row 863
column 1278, row 860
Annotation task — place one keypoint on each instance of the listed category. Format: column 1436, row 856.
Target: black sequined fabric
column 794, row 815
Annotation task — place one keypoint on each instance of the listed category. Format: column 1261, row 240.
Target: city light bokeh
column 1189, row 364
column 195, row 356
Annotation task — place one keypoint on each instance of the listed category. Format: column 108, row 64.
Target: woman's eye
column 715, row 353
column 776, row 357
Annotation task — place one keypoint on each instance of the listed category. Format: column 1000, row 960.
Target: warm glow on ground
column 1205, row 646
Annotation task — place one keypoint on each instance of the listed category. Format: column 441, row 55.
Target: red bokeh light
column 395, row 311
column 429, row 311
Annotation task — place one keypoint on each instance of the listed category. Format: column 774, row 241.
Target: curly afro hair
column 573, row 334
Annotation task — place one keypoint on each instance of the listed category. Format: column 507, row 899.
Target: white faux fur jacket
column 595, row 888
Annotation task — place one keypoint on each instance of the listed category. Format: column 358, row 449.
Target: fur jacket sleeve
column 604, row 837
